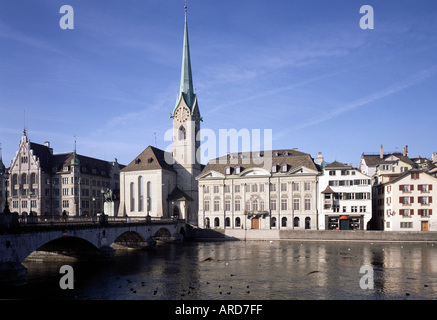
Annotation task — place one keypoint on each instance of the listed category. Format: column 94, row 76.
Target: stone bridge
column 83, row 240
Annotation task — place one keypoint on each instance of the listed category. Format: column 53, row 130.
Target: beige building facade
column 43, row 183
column 239, row 191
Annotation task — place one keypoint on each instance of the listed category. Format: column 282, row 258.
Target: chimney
column 381, row 153
column 405, row 152
column 47, row 144
column 319, row 159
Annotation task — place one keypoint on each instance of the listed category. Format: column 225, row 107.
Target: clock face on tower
column 182, row 114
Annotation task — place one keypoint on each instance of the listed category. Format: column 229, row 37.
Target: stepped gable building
column 43, row 183
column 163, row 184
column 345, row 199
column 259, row 190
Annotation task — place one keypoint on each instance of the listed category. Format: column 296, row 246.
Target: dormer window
column 284, row 167
column 65, row 169
column 228, row 170
column 274, row 168
column 237, row 170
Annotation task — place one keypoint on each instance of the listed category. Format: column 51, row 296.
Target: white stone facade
column 243, row 196
column 345, row 201
column 407, row 202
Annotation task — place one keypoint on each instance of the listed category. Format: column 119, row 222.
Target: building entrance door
column 424, row 225
column 255, row 223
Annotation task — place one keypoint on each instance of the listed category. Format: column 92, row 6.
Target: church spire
column 187, row 89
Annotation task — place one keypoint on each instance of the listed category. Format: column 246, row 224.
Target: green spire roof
column 187, row 89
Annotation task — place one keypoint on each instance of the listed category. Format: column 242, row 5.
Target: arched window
column 132, row 196
column 24, row 178
column 149, row 196
column 182, row 133
column 273, row 222
column 296, row 222
column 140, row 193
column 307, row 223
column 237, row 222
column 207, row 223
column 284, row 222
column 216, row 222
column 227, row 222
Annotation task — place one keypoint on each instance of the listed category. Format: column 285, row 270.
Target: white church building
column 162, row 184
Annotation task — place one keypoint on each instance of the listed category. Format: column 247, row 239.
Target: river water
column 235, row 270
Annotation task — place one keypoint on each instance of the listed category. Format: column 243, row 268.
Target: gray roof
column 150, row 159
column 245, row 160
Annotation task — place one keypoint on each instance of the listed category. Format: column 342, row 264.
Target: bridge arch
column 74, row 247
column 162, row 233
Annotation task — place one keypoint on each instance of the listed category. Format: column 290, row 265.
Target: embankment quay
column 315, row 235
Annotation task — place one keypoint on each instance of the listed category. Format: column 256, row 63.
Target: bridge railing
column 76, row 220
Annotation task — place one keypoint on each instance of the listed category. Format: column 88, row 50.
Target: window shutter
column 411, row 212
column 430, row 212
column 430, row 187
column 401, row 200
column 419, row 212
column 430, row 199
column 401, row 187
column 412, row 187
column 411, row 199
column 419, row 199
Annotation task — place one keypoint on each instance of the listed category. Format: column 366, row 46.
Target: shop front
column 344, row 222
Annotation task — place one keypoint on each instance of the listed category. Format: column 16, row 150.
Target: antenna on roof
column 155, row 140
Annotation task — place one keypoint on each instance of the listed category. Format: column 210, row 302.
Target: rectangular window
column 65, row 204
column 307, row 186
column 284, row 204
column 64, row 180
column 283, row 186
column 227, row 188
column 206, row 205
column 216, row 189
column 307, row 204
column 227, row 205
column 296, row 204
column 237, row 205
column 354, row 209
column 237, row 188
column 205, row 189
column 216, row 205
column 261, row 187
column 295, row 186
column 273, row 187
column 272, row 204
column 255, row 188
column 406, row 225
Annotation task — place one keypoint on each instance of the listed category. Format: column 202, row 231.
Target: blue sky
column 304, row 69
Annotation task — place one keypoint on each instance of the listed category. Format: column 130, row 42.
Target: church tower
column 186, row 126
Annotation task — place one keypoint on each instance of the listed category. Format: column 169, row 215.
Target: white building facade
column 345, row 201
column 407, row 203
column 239, row 192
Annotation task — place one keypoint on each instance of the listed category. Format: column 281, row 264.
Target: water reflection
column 244, row 270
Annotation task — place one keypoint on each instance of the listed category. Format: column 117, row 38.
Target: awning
column 344, row 217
